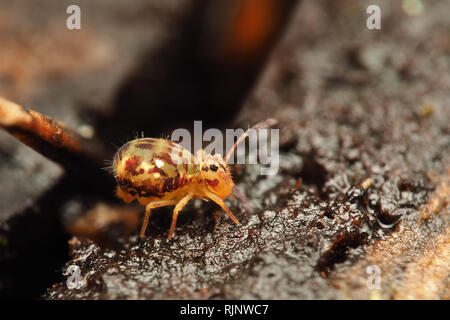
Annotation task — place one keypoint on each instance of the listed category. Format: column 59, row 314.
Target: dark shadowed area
column 363, row 179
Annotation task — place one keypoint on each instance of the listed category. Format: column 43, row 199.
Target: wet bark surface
column 363, row 179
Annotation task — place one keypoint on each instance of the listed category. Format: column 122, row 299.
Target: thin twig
column 50, row 138
column 33, row 128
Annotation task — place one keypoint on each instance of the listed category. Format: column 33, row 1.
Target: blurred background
column 152, row 66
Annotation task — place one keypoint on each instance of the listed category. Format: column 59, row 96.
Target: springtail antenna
column 260, row 125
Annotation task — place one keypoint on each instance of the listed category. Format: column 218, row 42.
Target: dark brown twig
column 51, row 138
column 33, row 128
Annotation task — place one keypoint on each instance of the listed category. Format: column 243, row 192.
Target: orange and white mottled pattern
column 152, row 169
column 156, row 169
column 159, row 173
